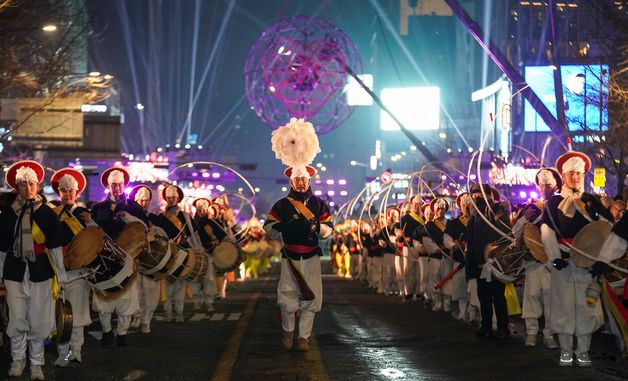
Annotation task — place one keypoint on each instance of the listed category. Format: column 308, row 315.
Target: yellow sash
column 417, row 218
column 68, row 219
column 304, row 210
column 174, row 219
column 440, row 225
column 463, row 219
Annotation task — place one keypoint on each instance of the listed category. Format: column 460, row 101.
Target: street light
column 49, row 28
column 357, row 163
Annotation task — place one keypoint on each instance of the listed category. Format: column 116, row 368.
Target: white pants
column 446, row 266
column 149, row 290
column 31, row 317
column 390, row 283
column 433, row 277
column 570, row 314
column 204, row 289
column 75, row 344
column 175, row 294
column 377, row 273
column 77, row 293
column 288, row 294
column 423, row 269
column 536, row 298
column 411, row 270
column 125, row 306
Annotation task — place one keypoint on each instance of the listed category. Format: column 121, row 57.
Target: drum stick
column 448, row 277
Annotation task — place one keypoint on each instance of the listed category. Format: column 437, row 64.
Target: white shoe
column 37, row 373
column 566, row 358
column 530, row 340
column 145, row 328
column 210, row 308
column 179, row 318
column 168, row 317
column 135, row 323
column 62, row 361
column 17, row 368
column 75, row 356
column 583, row 359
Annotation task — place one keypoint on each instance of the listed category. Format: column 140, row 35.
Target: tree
column 607, row 24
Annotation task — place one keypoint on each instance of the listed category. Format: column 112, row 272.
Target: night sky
column 149, row 47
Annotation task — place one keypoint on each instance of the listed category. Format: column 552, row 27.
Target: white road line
column 234, row 316
column 217, row 317
column 198, row 317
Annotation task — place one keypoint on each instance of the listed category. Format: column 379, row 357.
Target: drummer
column 111, row 215
column 564, row 216
column 455, row 240
column 536, row 289
column 148, row 288
column 224, row 226
column 179, row 228
column 409, row 224
column 204, row 290
column 439, row 265
column 30, row 255
column 69, row 183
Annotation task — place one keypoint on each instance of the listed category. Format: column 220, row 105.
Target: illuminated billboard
column 418, row 108
column 584, row 90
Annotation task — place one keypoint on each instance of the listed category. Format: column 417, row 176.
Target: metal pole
column 511, row 72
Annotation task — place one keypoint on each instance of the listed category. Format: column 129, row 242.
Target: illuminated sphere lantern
column 297, row 68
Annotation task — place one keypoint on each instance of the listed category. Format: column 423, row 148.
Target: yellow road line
column 315, row 360
column 227, row 361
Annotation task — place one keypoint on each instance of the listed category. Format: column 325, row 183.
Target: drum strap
column 161, row 263
column 67, row 218
column 174, row 220
column 301, row 208
column 440, row 225
column 119, row 278
column 178, row 260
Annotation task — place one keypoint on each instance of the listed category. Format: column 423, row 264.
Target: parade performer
column 410, row 222
column 111, row 215
column 179, row 228
column 148, row 288
column 455, row 242
column 614, row 247
column 479, row 235
column 69, row 183
column 301, row 219
column 389, row 234
column 355, row 250
column 424, row 257
column 224, row 228
column 30, row 254
column 439, row 265
column 537, row 286
column 564, row 216
column 204, row 290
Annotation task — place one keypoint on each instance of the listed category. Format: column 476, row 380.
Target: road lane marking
column 198, row 317
column 315, row 360
column 218, row 317
column 234, row 316
column 227, row 361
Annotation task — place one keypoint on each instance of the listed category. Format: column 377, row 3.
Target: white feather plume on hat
column 296, row 143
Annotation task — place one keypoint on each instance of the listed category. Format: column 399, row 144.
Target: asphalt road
column 358, row 336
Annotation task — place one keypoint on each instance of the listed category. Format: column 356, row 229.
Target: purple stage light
column 216, row 175
column 534, row 195
column 523, row 194
column 318, row 193
column 206, row 175
column 342, row 182
column 330, row 182
column 297, row 68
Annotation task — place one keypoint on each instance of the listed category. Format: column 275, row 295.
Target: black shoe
column 107, row 339
column 502, row 334
column 484, row 333
column 121, row 340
